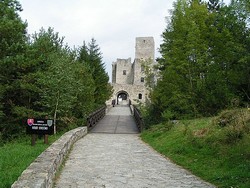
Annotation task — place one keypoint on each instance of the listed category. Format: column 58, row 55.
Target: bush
column 234, row 123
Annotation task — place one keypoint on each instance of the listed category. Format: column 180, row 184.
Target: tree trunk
column 55, row 114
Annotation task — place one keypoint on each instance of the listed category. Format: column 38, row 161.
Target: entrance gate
column 122, row 98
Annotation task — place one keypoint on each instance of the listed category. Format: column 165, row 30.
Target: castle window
column 140, row 96
column 142, row 79
column 124, row 72
column 142, row 68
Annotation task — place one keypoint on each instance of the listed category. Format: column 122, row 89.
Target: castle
column 128, row 79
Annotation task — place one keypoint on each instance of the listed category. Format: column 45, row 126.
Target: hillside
column 216, row 149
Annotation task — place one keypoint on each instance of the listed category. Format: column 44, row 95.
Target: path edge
column 41, row 172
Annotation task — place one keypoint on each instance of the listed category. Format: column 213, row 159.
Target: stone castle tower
column 128, row 79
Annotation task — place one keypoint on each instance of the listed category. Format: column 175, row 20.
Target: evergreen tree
column 40, row 76
column 12, row 49
column 91, row 56
column 83, row 55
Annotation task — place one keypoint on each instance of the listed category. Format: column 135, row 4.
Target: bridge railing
column 138, row 118
column 95, row 116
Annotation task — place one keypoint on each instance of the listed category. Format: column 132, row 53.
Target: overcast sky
column 113, row 23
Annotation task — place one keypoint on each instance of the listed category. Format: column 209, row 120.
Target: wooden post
column 33, row 139
column 46, row 139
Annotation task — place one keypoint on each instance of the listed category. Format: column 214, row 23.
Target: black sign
column 40, row 126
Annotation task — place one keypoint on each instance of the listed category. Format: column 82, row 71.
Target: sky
column 114, row 24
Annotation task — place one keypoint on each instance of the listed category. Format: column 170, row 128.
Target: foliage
column 235, row 123
column 205, row 60
column 204, row 148
column 42, row 77
column 91, row 57
column 12, row 50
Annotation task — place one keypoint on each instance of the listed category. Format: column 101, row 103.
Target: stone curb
column 41, row 172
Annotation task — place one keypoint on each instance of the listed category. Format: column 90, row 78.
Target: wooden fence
column 96, row 116
column 138, row 119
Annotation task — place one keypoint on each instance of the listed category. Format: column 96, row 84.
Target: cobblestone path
column 121, row 161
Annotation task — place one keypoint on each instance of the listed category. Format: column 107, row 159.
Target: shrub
column 234, row 123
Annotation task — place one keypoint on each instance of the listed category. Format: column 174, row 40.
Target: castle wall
column 123, row 73
column 144, row 53
column 145, row 48
column 129, row 78
column 113, row 72
column 133, row 92
column 139, row 75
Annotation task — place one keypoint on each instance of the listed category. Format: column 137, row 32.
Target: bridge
column 118, row 120
column 113, row 155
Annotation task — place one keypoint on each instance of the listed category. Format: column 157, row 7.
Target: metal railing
column 138, row 118
column 95, row 116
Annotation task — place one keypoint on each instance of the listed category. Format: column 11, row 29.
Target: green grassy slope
column 17, row 156
column 219, row 154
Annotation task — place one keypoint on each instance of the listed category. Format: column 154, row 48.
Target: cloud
column 113, row 23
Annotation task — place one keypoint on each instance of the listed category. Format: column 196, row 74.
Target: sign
column 40, row 126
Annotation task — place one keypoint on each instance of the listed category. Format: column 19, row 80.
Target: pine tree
column 12, row 50
column 91, row 57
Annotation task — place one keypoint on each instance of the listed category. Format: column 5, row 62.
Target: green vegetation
column 16, row 156
column 205, row 63
column 216, row 149
column 41, row 76
column 204, row 69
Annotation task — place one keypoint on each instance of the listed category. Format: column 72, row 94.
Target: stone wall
column 144, row 48
column 138, row 73
column 41, row 172
column 129, row 78
column 133, row 92
column 122, row 71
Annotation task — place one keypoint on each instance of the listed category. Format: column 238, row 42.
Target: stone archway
column 122, row 98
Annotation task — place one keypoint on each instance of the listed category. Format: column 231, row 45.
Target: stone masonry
column 128, row 79
column 122, row 161
column 109, row 158
column 41, row 173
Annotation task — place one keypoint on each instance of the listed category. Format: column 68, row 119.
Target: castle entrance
column 122, row 98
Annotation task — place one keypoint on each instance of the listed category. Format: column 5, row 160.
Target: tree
column 183, row 62
column 214, row 5
column 41, row 76
column 205, row 59
column 91, row 57
column 63, row 81
column 229, row 55
column 12, row 49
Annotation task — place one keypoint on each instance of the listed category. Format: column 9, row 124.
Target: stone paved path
column 121, row 161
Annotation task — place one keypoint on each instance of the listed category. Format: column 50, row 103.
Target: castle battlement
column 128, row 79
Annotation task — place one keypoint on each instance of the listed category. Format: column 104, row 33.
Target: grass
column 16, row 156
column 209, row 151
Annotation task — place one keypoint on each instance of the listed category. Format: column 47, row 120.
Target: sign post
column 46, row 139
column 33, row 139
column 39, row 127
